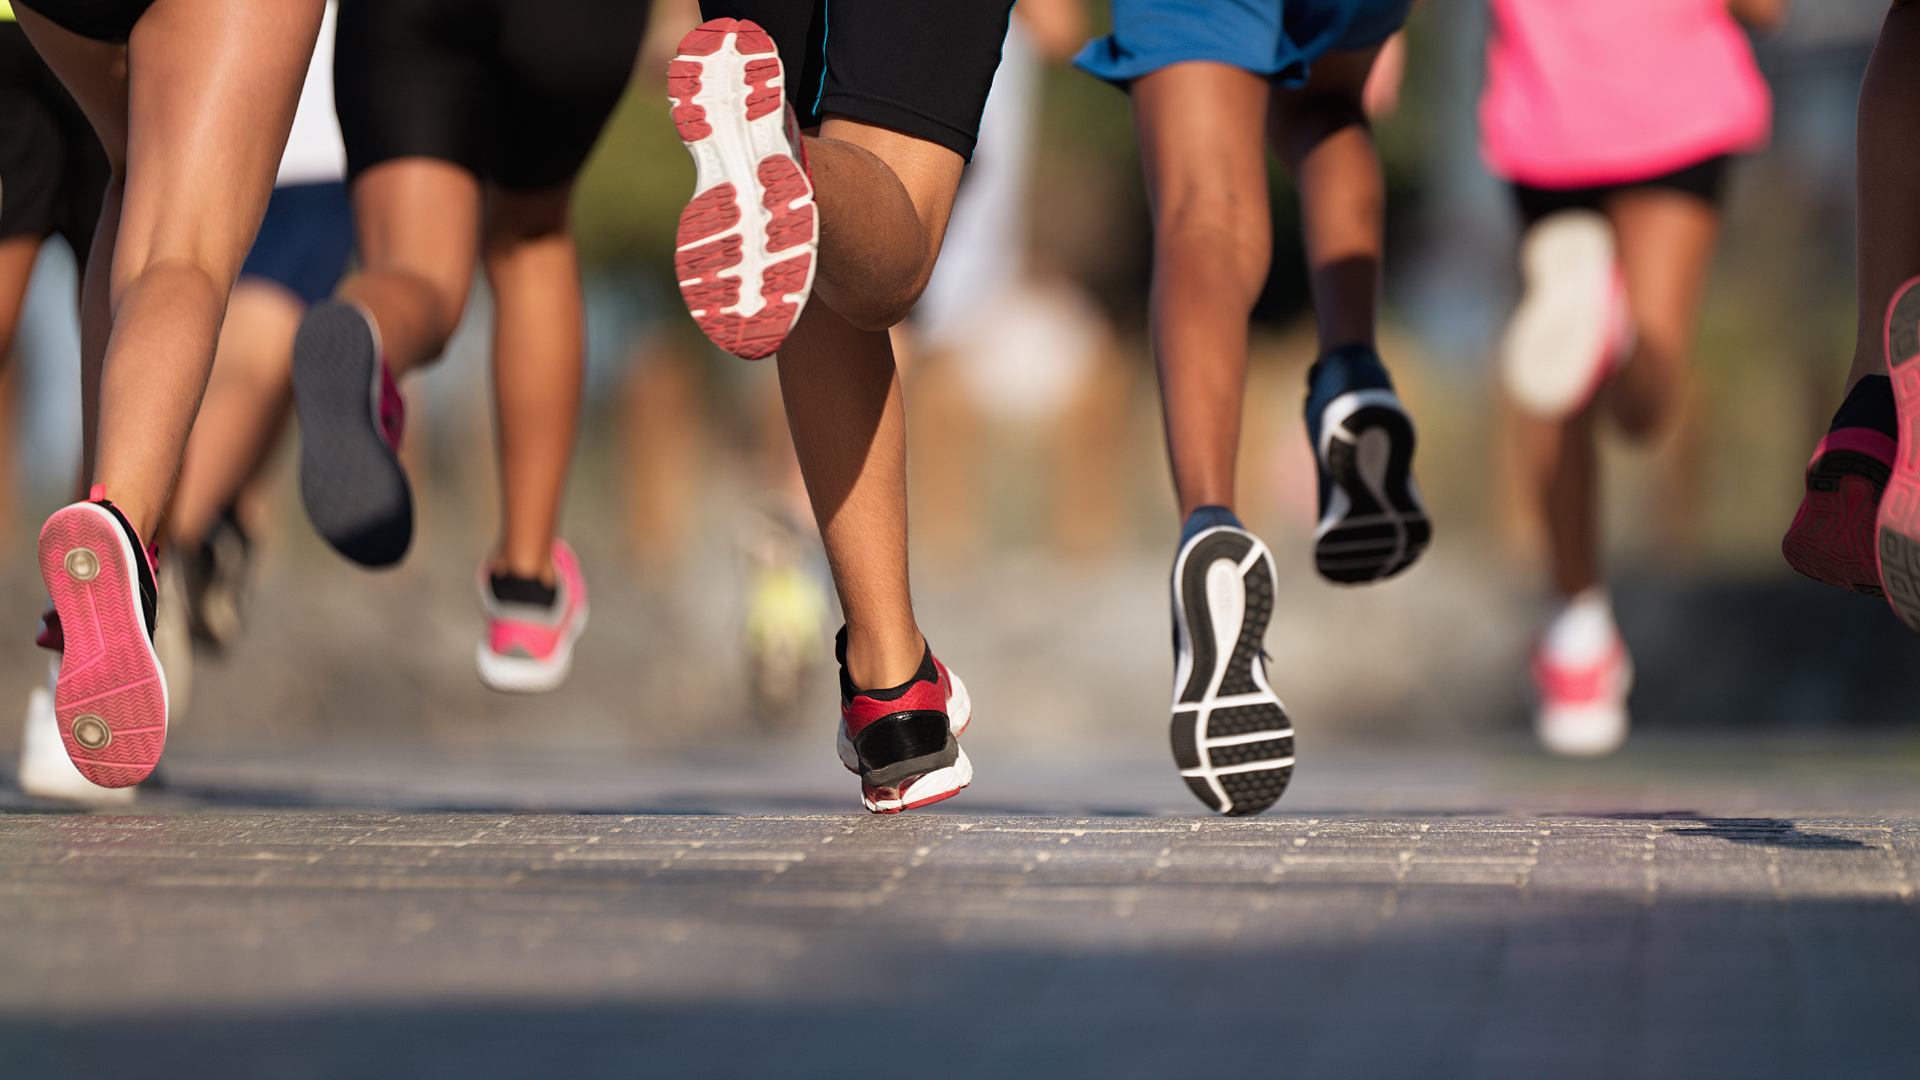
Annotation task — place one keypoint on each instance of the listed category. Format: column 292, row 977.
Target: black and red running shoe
column 748, row 241
column 905, row 742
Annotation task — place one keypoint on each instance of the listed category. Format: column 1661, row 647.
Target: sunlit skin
column 1203, row 131
column 1888, row 175
column 193, row 113
column 424, row 225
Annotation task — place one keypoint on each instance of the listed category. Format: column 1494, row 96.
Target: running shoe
column 46, row 772
column 904, row 742
column 214, row 573
column 1898, row 523
column 1372, row 522
column 351, row 420
column 1232, row 739
column 1572, row 329
column 747, row 242
column 1832, row 536
column 110, row 700
column 531, row 627
column 1582, row 673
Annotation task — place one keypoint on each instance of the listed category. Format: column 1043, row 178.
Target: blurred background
column 1043, row 516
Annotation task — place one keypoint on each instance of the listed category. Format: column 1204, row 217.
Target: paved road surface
column 1517, row 940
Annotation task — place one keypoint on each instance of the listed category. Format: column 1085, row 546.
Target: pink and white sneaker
column 1832, row 535
column 1583, row 674
column 110, row 700
column 1571, row 329
column 905, row 742
column 1898, row 523
column 748, row 241
column 528, row 647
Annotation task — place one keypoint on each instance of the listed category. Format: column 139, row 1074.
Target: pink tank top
column 1588, row 92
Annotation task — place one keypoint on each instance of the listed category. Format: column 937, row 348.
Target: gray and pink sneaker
column 110, row 700
column 748, row 241
column 531, row 628
column 351, row 421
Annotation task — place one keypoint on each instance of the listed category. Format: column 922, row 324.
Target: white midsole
column 732, row 154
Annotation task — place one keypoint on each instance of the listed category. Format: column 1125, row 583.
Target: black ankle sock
column 1870, row 405
column 927, row 673
column 519, row 590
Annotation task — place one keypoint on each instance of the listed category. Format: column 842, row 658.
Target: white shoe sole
column 1567, row 331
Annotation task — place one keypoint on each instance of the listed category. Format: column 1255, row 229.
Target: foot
column 1583, row 673
column 1372, row 522
column 351, row 420
column 1572, row 329
column 748, row 241
column 1232, row 739
column 905, row 742
column 1832, row 536
column 215, row 573
column 46, row 772
column 110, row 700
column 531, row 627
column 1898, row 522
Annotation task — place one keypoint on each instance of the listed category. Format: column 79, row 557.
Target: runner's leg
column 1889, row 169
column 198, row 103
column 884, row 198
column 1200, row 127
column 1666, row 240
column 538, row 364
column 17, row 255
column 417, row 223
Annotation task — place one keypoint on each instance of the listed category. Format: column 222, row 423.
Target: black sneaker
column 1232, row 739
column 215, row 573
column 1372, row 522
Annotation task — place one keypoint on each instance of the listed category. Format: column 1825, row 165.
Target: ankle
column 882, row 663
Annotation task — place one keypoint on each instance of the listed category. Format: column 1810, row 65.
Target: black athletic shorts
column 1704, row 179
column 101, row 20
column 921, row 67
column 514, row 91
column 53, row 173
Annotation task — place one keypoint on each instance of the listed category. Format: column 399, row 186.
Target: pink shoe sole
column 1832, row 536
column 111, row 699
column 746, row 244
column 1898, row 542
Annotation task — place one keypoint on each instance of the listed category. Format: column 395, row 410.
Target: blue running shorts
column 305, row 241
column 1275, row 38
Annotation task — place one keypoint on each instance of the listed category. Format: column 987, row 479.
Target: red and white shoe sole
column 1898, row 524
column 1832, row 536
column 111, row 698
column 748, row 241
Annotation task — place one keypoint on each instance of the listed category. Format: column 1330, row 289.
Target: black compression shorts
column 921, row 67
column 1703, row 179
column 53, row 173
column 511, row 90
column 101, row 20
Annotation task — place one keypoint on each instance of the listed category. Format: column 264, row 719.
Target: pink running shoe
column 1583, row 674
column 1832, row 536
column 1571, row 330
column 1899, row 519
column 111, row 698
column 529, row 644
column 748, row 240
column 905, row 742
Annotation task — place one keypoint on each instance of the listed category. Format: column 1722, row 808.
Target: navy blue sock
column 1206, row 517
column 1870, row 405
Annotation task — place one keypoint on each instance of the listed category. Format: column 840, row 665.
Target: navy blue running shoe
column 1372, row 522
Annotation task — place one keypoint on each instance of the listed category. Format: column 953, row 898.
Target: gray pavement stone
column 318, row 943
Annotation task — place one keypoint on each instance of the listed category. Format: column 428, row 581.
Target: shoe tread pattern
column 1898, row 522
column 351, row 482
column 108, row 668
column 1372, row 542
